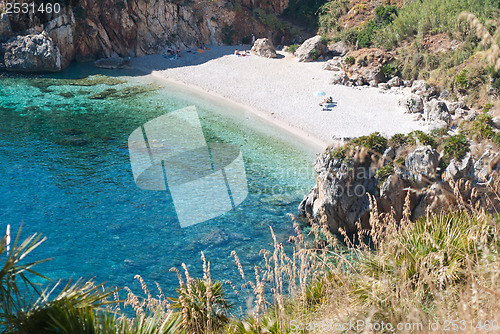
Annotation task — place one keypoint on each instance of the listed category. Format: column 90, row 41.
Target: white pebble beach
column 281, row 91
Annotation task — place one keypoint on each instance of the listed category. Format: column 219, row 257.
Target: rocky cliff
column 85, row 30
column 340, row 198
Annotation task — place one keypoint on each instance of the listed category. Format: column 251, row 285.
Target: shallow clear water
column 65, row 172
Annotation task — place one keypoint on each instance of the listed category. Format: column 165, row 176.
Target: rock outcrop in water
column 32, row 53
column 89, row 30
column 343, row 186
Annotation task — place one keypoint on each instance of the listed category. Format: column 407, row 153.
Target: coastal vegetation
column 443, row 266
column 417, row 33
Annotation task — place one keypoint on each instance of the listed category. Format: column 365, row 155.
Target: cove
column 65, row 172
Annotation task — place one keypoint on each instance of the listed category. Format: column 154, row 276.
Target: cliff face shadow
column 140, row 66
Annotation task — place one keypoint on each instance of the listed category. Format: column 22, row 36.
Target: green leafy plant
column 314, row 54
column 349, row 60
column 384, row 172
column 392, row 69
column 461, row 81
column 398, row 140
column 203, row 305
column 292, row 48
column 375, row 142
column 339, row 153
column 456, row 146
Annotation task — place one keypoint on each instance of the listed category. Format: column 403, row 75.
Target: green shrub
column 398, row 140
column 400, row 161
column 375, row 142
column 461, row 81
column 329, row 14
column 496, row 139
column 392, row 69
column 349, row 60
column 237, row 7
column 314, row 54
column 292, row 48
column 386, row 14
column 423, row 138
column 365, row 36
column 482, row 127
column 339, row 153
column 80, row 13
column 383, row 173
column 227, row 34
column 120, row 5
column 456, row 147
column 203, row 305
column 437, row 249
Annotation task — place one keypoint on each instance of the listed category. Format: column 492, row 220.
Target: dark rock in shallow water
column 71, row 132
column 112, row 63
column 110, row 92
column 66, row 94
column 73, row 141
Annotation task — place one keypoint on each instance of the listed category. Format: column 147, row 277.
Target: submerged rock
column 112, row 63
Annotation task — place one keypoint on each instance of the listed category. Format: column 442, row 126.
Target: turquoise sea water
column 65, row 172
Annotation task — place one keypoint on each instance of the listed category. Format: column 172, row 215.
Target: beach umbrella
column 319, row 93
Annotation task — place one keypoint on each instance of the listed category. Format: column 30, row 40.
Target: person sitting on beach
column 327, row 100
column 237, row 52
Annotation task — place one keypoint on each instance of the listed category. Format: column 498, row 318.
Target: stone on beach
column 311, row 49
column 264, row 47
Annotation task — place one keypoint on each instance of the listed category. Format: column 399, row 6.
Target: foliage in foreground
column 444, row 266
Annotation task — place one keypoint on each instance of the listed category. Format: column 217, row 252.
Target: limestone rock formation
column 412, row 103
column 436, row 111
column 32, row 53
column 339, row 194
column 338, row 49
column 264, row 47
column 311, row 49
column 460, row 169
column 395, row 82
column 5, row 28
column 87, row 30
column 421, row 163
column 366, row 69
column 339, row 197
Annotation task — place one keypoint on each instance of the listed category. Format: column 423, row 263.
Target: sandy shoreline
column 281, row 92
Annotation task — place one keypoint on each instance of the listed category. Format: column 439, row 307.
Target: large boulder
column 395, row 82
column 264, row 47
column 311, row 49
column 421, row 164
column 340, row 194
column 412, row 103
column 435, row 111
column 338, row 49
column 460, row 169
column 32, row 53
column 334, row 64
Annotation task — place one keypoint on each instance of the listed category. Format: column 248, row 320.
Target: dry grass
column 443, row 269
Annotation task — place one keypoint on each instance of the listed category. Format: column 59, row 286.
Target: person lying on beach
column 327, row 100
